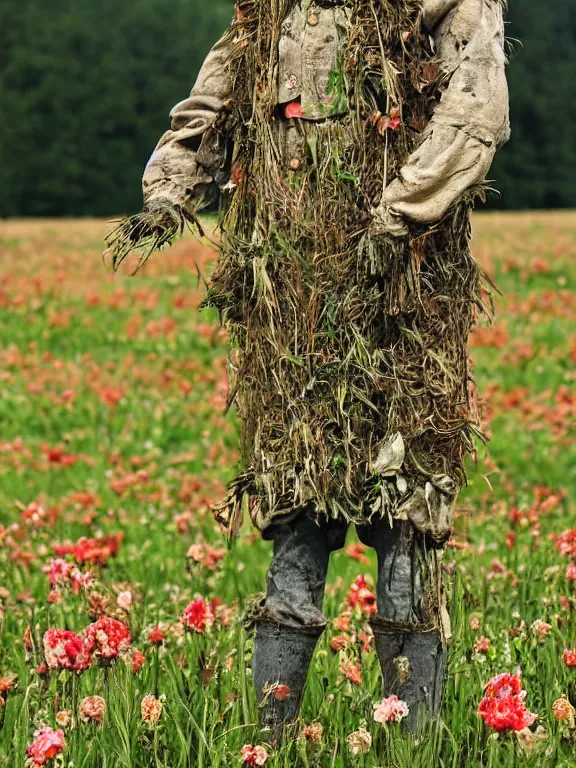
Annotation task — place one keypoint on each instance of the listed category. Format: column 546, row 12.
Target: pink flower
column 107, row 638
column 253, row 755
column 208, row 556
column 566, row 543
column 395, row 121
column 93, row 708
column 151, row 709
column 359, row 742
column 390, row 710
column 79, row 580
column 124, row 600
column 571, row 571
column 58, row 571
column 313, row 732
column 540, row 629
column 47, row 744
column 482, row 645
column 65, row 650
column 198, row 616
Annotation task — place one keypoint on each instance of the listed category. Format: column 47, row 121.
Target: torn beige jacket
column 471, row 120
column 469, row 123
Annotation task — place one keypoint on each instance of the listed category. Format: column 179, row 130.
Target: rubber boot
column 413, row 667
column 422, row 691
column 282, row 656
column 388, row 649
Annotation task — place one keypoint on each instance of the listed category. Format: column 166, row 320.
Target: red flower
column 383, row 123
column 65, row 650
column 27, row 640
column 340, row 642
column 237, row 176
column 394, row 121
column 253, row 755
column 34, row 512
column 293, row 109
column 351, row 671
column 138, row 660
column 86, row 550
column 47, row 744
column 503, row 708
column 505, row 713
column 566, row 543
column 281, row 692
column 504, row 685
column 107, row 638
column 58, row 455
column 570, row 658
column 96, row 550
column 8, row 683
column 343, row 622
column 358, row 552
column 360, row 595
column 156, row 636
column 198, row 616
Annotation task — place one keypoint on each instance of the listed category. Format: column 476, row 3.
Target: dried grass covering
column 344, row 339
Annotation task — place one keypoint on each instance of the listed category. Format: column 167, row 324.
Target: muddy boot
column 388, row 649
column 425, row 665
column 408, row 645
column 413, row 668
column 282, row 656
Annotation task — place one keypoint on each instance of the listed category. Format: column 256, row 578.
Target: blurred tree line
column 86, row 86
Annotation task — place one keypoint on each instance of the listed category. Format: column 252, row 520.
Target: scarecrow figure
column 346, row 142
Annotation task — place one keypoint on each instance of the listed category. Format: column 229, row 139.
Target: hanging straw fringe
column 147, row 232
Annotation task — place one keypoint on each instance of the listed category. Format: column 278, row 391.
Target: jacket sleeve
column 188, row 158
column 471, row 120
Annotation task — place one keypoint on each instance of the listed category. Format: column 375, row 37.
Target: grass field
column 111, row 424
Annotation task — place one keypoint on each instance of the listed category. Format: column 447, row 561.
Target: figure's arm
column 469, row 123
column 186, row 165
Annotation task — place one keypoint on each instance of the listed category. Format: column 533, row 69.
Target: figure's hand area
column 157, row 226
column 386, row 222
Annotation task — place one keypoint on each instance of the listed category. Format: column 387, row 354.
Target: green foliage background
column 86, row 86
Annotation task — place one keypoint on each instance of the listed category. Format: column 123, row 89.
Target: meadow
column 113, row 445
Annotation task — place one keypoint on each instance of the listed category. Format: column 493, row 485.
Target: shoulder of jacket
column 433, row 11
